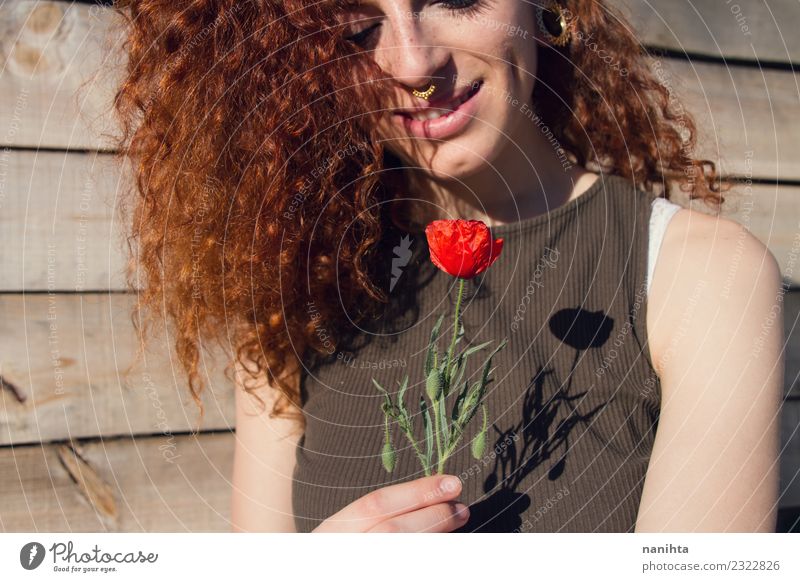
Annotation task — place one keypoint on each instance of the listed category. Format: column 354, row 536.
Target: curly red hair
column 252, row 146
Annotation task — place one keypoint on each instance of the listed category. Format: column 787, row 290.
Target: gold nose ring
column 424, row 94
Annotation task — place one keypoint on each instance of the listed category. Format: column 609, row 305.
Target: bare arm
column 715, row 330
column 263, row 463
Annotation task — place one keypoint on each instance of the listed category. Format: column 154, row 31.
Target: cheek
column 520, row 62
column 521, row 45
column 513, row 68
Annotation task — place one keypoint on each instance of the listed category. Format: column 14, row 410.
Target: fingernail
column 461, row 510
column 450, row 483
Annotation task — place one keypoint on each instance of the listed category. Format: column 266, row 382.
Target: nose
column 411, row 53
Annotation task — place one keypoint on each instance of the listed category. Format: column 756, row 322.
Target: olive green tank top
column 573, row 403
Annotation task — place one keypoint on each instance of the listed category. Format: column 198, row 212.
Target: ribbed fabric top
column 574, row 400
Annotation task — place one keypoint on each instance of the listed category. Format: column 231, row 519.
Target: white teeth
column 442, row 110
column 432, row 114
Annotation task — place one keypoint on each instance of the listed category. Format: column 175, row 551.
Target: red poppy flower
column 462, row 248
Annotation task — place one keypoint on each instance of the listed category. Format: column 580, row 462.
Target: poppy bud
column 433, row 385
column 388, row 457
column 479, row 442
column 479, row 445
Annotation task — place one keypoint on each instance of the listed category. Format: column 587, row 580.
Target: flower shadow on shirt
column 544, row 429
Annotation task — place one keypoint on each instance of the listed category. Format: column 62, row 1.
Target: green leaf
column 447, row 374
column 426, row 423
column 401, row 397
column 459, row 402
column 444, row 429
column 469, row 351
column 383, row 391
column 403, row 417
column 478, row 390
column 456, row 428
column 430, row 360
column 387, row 406
column 488, row 364
column 470, row 405
column 460, row 364
column 457, row 371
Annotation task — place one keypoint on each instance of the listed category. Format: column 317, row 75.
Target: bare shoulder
column 715, row 332
column 713, row 270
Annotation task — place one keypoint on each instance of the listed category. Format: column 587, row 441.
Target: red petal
column 462, row 248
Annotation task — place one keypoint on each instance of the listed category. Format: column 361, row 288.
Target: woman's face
column 483, row 51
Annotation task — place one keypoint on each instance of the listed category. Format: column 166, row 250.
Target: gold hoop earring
column 424, row 94
column 553, row 23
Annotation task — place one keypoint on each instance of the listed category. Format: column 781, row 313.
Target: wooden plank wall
column 66, row 339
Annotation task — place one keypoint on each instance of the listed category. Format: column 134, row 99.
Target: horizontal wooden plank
column 178, row 484
column 49, row 49
column 59, row 232
column 57, row 223
column 155, row 484
column 747, row 119
column 66, row 355
column 741, row 109
column 755, row 31
column 791, row 319
column 790, row 455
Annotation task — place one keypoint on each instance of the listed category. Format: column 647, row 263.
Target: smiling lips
column 440, row 119
column 435, row 109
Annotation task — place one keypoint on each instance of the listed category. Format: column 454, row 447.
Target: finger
column 387, row 502
column 439, row 518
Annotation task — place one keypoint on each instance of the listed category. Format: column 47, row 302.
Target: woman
column 288, row 157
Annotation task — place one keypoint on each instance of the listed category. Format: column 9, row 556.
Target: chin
column 451, row 161
column 458, row 169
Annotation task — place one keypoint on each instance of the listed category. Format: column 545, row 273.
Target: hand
column 423, row 505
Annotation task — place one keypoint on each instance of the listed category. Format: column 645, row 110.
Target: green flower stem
column 451, row 448
column 420, row 456
column 455, row 333
column 447, row 378
column 437, row 433
column 440, row 466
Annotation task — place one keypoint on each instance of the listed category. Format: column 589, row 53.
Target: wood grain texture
column 49, row 50
column 68, row 356
column 58, row 229
column 747, row 119
column 153, row 484
column 59, row 232
column 755, row 31
column 179, row 484
column 749, row 109
column 791, row 324
column 790, row 454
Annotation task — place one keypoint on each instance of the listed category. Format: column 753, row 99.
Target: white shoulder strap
column 663, row 210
